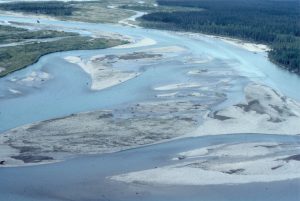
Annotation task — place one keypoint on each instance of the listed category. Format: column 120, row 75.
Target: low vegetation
column 99, row 11
column 104, row 11
column 275, row 23
column 10, row 34
column 18, row 56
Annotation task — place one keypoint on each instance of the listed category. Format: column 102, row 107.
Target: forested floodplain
column 275, row 23
column 21, row 47
column 10, row 34
column 46, row 7
column 107, row 11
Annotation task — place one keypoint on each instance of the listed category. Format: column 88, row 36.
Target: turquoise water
column 85, row 178
column 56, row 97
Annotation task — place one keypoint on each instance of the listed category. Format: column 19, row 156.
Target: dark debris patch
column 294, row 157
column 276, row 167
column 215, row 115
column 32, row 158
column 235, row 171
column 253, row 105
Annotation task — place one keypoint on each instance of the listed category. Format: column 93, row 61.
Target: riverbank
column 277, row 27
column 250, row 46
column 198, row 90
column 102, row 70
column 224, row 164
column 20, row 55
column 84, row 11
column 103, row 132
column 264, row 111
column 147, row 123
column 103, row 75
column 88, row 174
column 85, row 137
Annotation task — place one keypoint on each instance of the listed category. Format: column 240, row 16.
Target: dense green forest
column 273, row 22
column 46, row 7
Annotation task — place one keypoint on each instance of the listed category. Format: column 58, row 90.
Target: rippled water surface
column 84, row 178
column 69, row 83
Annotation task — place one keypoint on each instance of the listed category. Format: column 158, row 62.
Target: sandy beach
column 103, row 132
column 140, row 43
column 102, row 76
column 2, row 69
column 252, row 47
column 225, row 164
column 265, row 111
column 177, row 86
column 167, row 116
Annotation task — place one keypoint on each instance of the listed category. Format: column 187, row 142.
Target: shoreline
column 165, row 132
column 208, row 127
column 253, row 47
column 223, row 164
column 248, row 45
column 168, row 87
column 265, row 111
column 102, row 76
column 244, row 44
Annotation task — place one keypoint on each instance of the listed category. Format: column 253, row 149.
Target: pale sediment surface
column 139, row 43
column 149, row 122
column 168, row 49
column 174, row 110
column 225, row 164
column 2, row 69
column 253, row 47
column 103, row 76
column 102, row 132
column 86, row 177
column 264, row 111
column 177, row 86
column 185, row 87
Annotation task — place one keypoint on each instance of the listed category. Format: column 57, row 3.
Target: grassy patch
column 11, row 34
column 98, row 12
column 104, row 11
column 17, row 57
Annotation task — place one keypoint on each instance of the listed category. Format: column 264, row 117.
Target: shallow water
column 85, row 178
column 56, row 97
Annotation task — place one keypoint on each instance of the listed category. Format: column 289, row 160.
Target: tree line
column 45, row 7
column 275, row 23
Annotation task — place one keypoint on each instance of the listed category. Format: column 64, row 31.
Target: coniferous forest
column 46, row 7
column 272, row 22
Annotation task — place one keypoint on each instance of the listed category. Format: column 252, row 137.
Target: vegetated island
column 46, row 7
column 275, row 23
column 21, row 47
column 106, row 11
